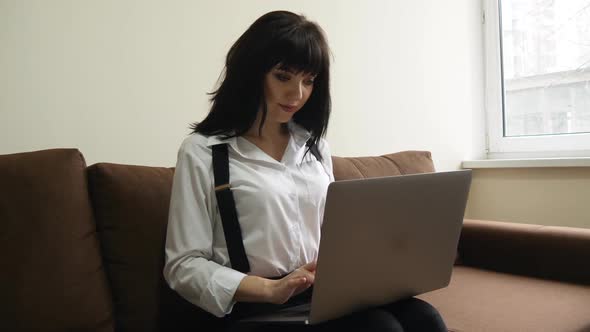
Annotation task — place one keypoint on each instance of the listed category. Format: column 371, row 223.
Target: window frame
column 497, row 145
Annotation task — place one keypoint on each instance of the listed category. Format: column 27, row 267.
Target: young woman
column 250, row 185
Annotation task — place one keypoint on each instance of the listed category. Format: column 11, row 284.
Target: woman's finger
column 311, row 266
column 310, row 275
column 296, row 282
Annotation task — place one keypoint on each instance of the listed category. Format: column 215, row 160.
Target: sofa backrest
column 52, row 276
column 131, row 211
column 400, row 163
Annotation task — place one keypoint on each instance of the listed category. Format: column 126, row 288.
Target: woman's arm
column 189, row 268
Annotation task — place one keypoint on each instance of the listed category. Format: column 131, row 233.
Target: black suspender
column 227, row 206
column 227, row 210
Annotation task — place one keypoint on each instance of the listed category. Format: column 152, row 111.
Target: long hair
column 276, row 38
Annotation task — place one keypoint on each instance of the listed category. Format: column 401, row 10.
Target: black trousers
column 406, row 315
column 410, row 314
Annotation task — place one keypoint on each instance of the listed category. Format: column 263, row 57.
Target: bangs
column 299, row 51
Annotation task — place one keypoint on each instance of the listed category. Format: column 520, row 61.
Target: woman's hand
column 294, row 283
column 257, row 289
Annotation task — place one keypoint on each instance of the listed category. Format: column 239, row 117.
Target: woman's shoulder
column 322, row 142
column 324, row 147
column 195, row 145
column 195, row 140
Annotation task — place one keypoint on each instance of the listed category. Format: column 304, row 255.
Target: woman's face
column 286, row 92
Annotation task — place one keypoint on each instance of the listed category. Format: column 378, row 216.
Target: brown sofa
column 82, row 250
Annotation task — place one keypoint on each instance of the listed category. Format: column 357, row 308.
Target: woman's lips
column 289, row 109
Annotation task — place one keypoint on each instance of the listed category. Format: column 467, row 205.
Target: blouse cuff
column 218, row 298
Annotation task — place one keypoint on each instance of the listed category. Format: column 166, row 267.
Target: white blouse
column 280, row 207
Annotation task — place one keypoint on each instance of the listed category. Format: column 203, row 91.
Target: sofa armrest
column 549, row 252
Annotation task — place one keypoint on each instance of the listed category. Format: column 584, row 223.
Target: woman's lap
column 416, row 315
column 406, row 315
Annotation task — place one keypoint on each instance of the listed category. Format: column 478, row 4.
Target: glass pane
column 546, row 66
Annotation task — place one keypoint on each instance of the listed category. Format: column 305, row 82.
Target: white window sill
column 527, row 163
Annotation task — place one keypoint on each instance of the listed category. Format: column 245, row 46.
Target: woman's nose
column 296, row 91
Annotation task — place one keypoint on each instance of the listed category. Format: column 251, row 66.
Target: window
column 537, row 77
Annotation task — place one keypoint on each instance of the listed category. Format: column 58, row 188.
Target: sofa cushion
column 481, row 300
column 52, row 277
column 406, row 162
column 131, row 209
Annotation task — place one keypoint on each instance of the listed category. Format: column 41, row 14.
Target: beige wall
column 545, row 196
column 122, row 79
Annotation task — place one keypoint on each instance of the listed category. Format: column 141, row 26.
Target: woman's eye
column 282, row 77
column 308, row 82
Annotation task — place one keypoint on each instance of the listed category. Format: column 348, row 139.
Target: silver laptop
column 383, row 239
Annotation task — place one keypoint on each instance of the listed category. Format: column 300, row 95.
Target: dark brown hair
column 276, row 38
